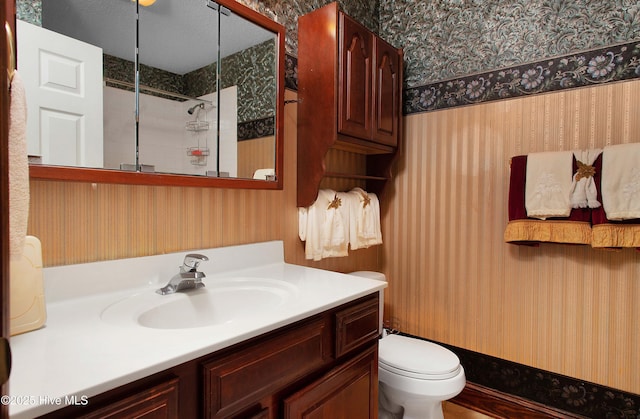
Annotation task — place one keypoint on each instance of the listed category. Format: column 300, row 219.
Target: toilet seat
column 415, row 358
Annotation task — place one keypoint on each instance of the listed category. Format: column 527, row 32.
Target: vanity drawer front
column 357, row 325
column 158, row 401
column 242, row 378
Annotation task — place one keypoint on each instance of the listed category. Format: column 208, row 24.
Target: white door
column 63, row 84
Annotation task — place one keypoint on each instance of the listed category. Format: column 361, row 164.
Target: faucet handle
column 192, row 260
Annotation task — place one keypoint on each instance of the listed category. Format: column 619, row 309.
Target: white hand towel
column 324, row 226
column 364, row 228
column 302, row 223
column 621, row 181
column 263, row 174
column 309, row 232
column 335, row 231
column 18, row 169
column 548, row 184
column 377, row 229
column 584, row 193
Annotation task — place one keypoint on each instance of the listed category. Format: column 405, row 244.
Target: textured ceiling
column 176, row 36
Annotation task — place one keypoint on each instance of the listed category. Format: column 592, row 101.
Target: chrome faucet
column 188, row 278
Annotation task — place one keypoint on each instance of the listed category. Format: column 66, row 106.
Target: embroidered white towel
column 364, row 230
column 548, row 184
column 335, row 228
column 584, row 193
column 324, row 226
column 18, row 169
column 621, row 181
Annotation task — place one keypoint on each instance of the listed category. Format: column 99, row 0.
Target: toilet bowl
column 415, row 376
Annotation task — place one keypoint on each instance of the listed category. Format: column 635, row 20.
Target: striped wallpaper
column 567, row 309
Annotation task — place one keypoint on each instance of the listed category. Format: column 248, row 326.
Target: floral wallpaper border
column 615, row 63
column 550, row 389
column 604, row 65
column 257, row 128
column 291, row 72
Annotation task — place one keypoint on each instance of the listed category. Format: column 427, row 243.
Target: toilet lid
column 417, row 358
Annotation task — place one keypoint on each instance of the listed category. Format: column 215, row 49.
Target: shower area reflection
column 168, row 133
column 194, row 73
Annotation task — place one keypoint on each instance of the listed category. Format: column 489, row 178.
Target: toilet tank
column 378, row 276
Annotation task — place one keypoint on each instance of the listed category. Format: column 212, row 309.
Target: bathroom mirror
column 184, row 132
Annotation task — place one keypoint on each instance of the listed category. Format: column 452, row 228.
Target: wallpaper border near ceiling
column 598, row 66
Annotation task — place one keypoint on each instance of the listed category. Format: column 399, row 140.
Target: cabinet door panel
column 347, row 392
column 386, row 92
column 234, row 382
column 354, row 102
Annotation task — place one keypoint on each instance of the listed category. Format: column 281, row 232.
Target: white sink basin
column 220, row 302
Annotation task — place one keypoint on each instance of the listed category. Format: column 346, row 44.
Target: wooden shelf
column 354, row 176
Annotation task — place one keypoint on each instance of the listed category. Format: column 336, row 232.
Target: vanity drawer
column 356, row 325
column 160, row 400
column 242, row 378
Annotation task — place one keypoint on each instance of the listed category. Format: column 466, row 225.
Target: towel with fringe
column 522, row 230
column 548, row 184
column 621, row 181
column 18, row 169
column 607, row 233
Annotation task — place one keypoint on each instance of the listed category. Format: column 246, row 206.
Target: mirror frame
column 82, row 174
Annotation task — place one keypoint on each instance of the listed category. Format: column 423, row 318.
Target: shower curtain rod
column 154, row 90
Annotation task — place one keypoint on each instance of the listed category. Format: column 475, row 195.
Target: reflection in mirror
column 182, row 129
column 199, row 136
column 251, row 69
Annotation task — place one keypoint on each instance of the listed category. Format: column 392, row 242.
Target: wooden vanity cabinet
column 322, row 366
column 350, row 98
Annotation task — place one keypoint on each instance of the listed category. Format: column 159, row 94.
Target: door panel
column 63, row 83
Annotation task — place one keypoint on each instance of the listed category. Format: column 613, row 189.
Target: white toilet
column 415, row 376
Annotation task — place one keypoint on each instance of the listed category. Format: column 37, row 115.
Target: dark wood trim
column 502, row 405
column 79, row 174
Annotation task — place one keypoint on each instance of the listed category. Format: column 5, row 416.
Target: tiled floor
column 453, row 411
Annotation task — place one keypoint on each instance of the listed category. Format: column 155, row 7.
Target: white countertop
column 79, row 354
